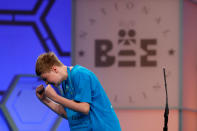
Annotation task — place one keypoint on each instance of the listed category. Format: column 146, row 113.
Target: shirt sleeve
column 82, row 87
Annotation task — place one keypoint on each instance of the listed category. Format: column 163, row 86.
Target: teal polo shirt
column 82, row 85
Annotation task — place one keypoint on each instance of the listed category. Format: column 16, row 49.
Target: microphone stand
column 165, row 128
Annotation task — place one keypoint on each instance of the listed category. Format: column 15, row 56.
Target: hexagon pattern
column 23, row 110
column 27, row 30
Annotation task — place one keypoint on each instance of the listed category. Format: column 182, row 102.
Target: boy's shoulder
column 80, row 71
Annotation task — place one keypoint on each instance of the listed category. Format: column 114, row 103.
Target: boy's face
column 52, row 77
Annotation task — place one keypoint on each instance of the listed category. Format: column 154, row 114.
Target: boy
column 83, row 101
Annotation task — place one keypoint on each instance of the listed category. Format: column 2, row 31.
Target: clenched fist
column 40, row 92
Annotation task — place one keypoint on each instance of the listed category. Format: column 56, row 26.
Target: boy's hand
column 40, row 92
column 51, row 93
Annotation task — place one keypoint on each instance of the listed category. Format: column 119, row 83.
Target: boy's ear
column 54, row 68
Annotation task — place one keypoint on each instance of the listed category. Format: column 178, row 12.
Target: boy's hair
column 45, row 62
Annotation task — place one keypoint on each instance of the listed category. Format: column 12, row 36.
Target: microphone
column 165, row 128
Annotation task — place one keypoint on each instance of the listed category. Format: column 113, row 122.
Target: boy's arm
column 57, row 108
column 82, row 107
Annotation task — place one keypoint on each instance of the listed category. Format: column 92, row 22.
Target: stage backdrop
column 27, row 29
column 127, row 44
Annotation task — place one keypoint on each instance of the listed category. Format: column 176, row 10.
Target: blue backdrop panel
column 23, row 109
column 27, row 29
column 63, row 126
column 3, row 123
column 19, row 50
column 12, row 5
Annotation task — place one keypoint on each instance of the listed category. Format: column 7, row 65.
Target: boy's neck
column 65, row 75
